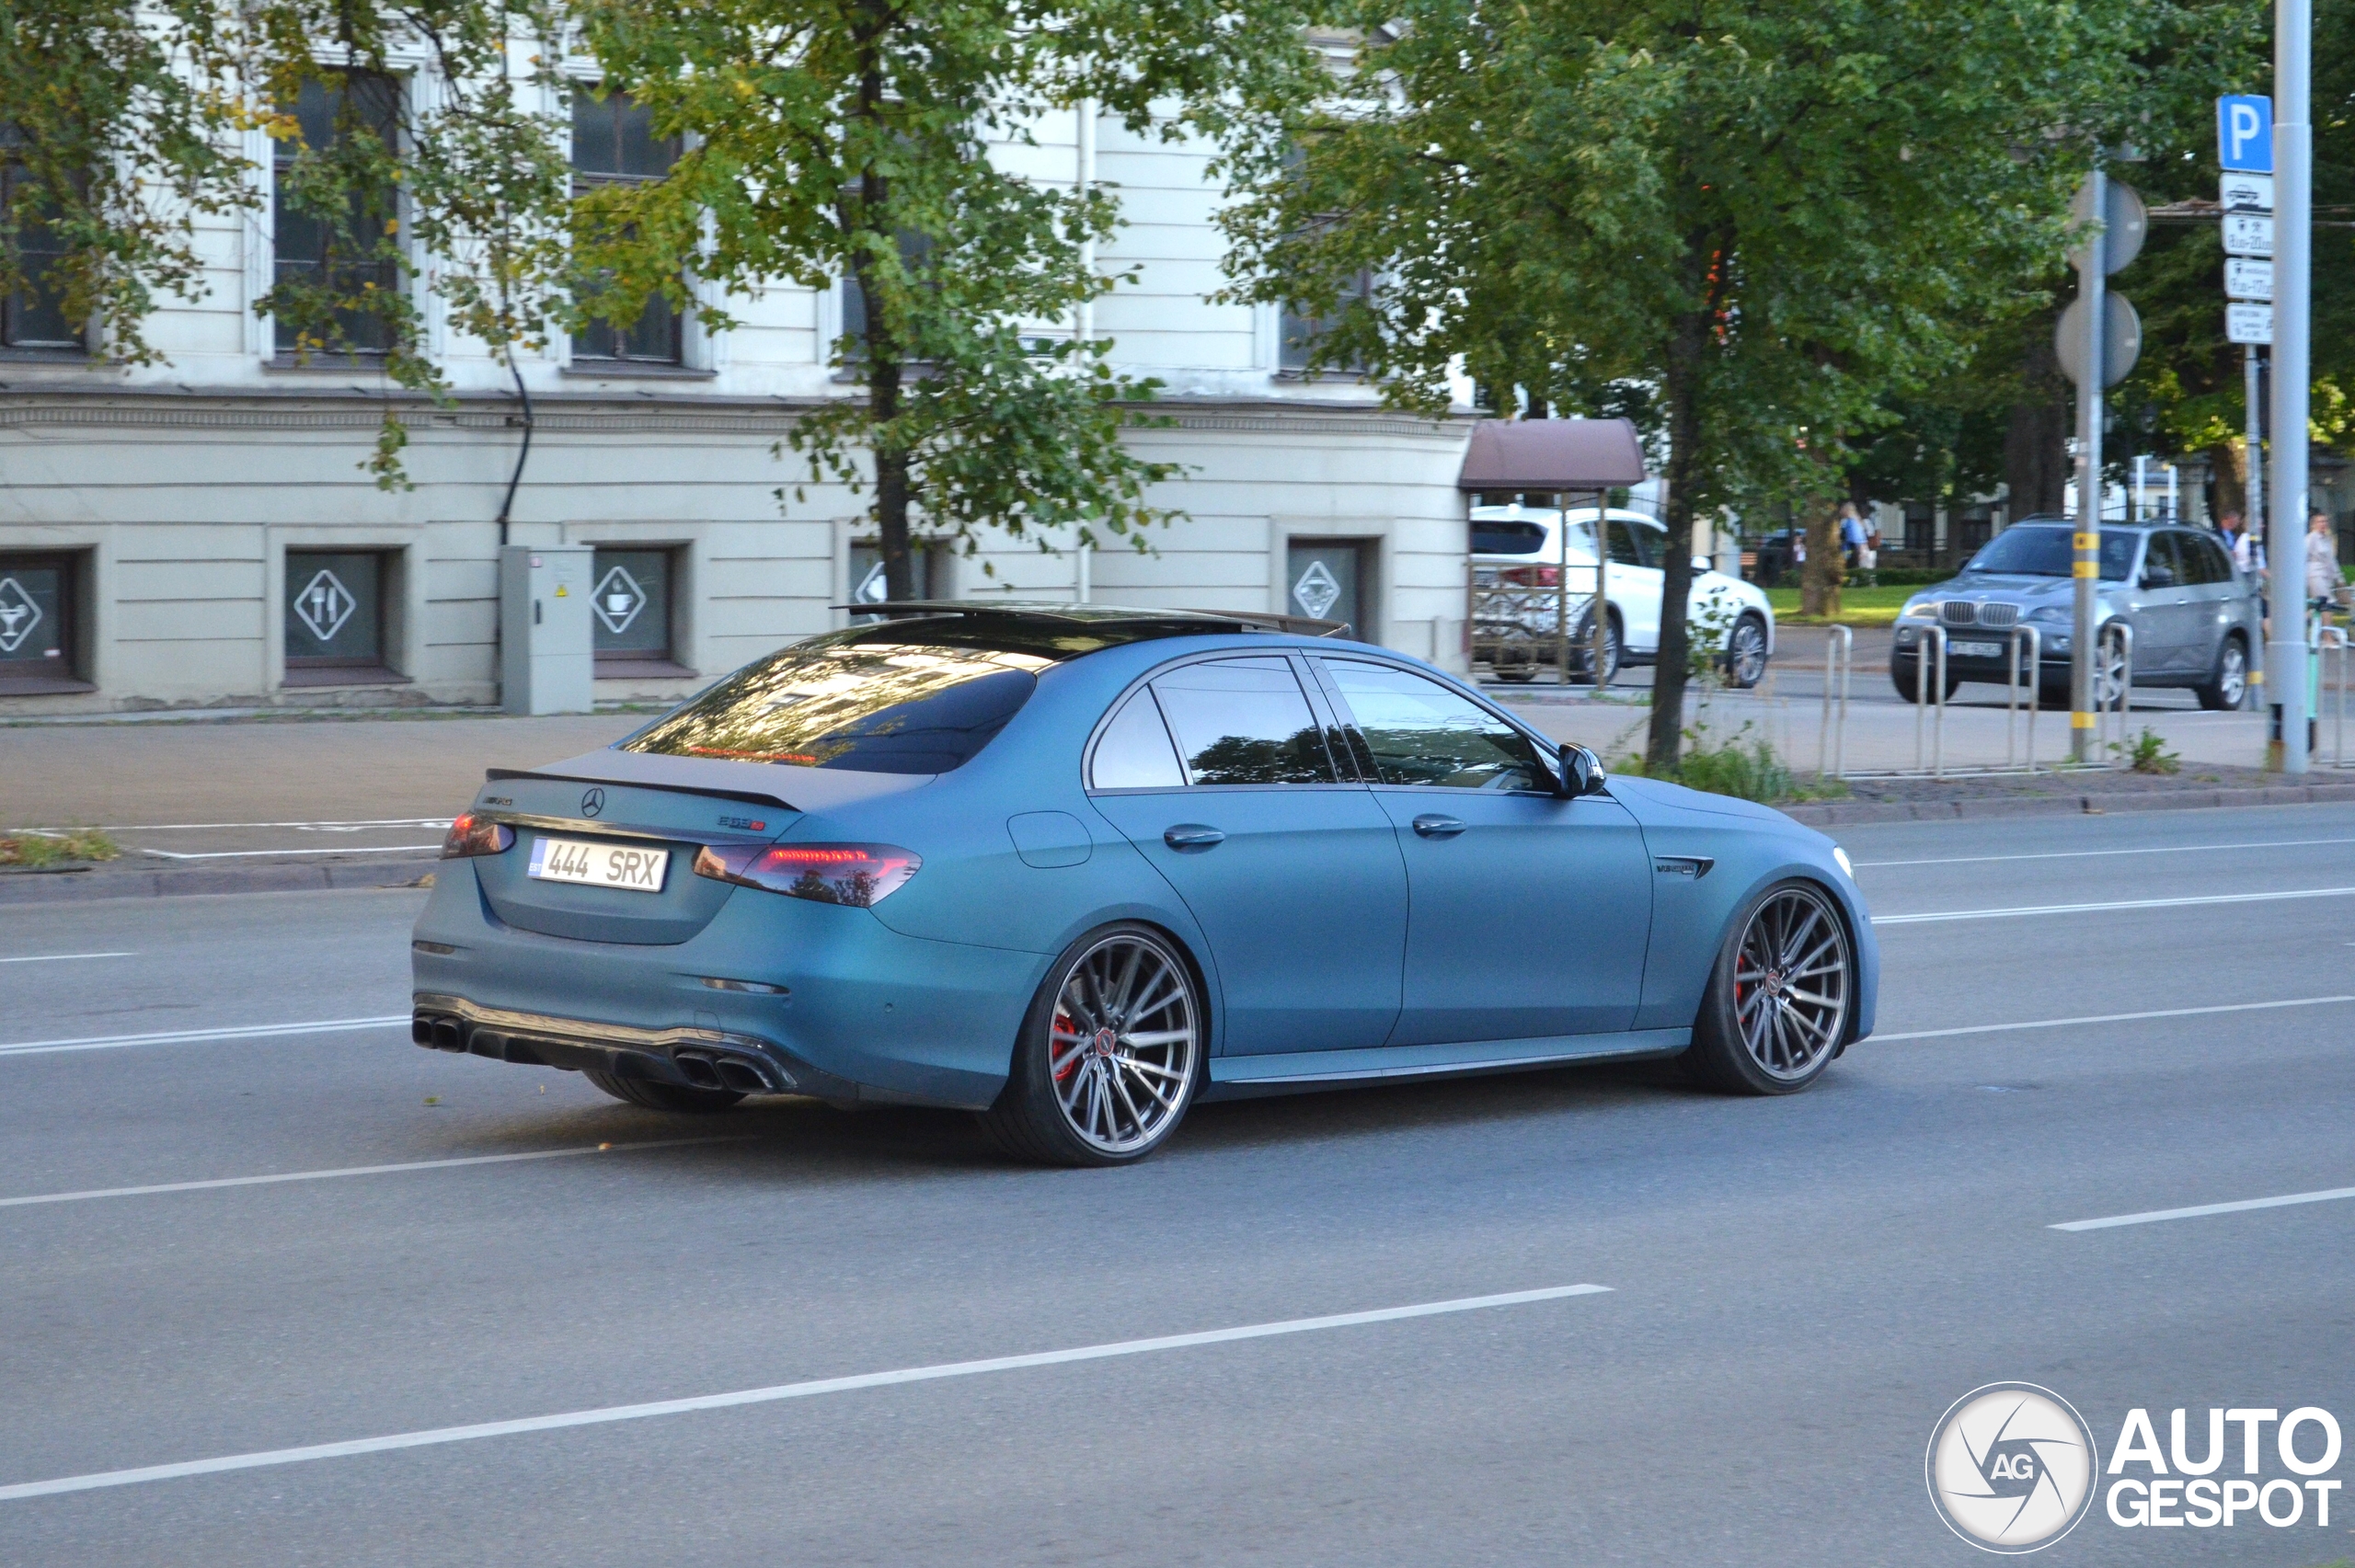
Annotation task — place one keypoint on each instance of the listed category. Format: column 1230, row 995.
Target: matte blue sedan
column 1075, row 867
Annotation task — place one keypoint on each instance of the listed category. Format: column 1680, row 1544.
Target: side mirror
column 1703, row 564
column 1581, row 772
column 2158, row 577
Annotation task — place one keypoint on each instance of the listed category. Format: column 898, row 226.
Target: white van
column 1518, row 548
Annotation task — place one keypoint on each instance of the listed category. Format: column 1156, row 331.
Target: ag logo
column 592, row 802
column 2011, row 1467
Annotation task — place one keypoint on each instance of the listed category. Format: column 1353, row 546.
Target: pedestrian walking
column 1851, row 533
column 2249, row 552
column 1869, row 557
column 2323, row 579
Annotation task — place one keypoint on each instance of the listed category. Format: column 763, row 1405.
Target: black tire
column 2226, row 687
column 662, row 1096
column 1035, row 1117
column 1751, row 1037
column 1902, row 675
column 1746, row 653
column 1519, row 674
column 1614, row 650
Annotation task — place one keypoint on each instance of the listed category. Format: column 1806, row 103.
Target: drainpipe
column 1082, row 588
column 523, row 452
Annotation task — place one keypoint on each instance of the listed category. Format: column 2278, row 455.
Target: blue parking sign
column 2244, row 133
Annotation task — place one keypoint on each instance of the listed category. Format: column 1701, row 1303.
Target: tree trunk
column 2036, row 442
column 1665, row 741
column 1826, row 569
column 886, row 355
column 2228, row 463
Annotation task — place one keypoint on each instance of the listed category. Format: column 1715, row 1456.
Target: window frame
column 71, row 567
column 283, row 156
column 1362, row 750
column 12, row 172
column 331, row 670
column 587, row 179
column 626, row 664
column 1346, row 770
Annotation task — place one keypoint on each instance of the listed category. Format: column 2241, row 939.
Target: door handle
column 1192, row 836
column 1432, row 825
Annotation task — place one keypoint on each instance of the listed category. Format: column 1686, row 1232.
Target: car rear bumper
column 808, row 998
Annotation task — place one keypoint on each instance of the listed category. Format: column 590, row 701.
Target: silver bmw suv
column 2194, row 614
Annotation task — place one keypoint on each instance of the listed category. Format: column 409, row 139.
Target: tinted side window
column 2203, row 560
column 1134, row 752
column 1507, row 538
column 1632, row 546
column 1422, row 733
column 1243, row 721
column 2159, row 561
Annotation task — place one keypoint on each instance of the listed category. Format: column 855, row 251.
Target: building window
column 931, row 559
column 915, row 256
column 630, row 617
column 330, row 266
column 1330, row 579
column 32, row 316
column 1298, row 332
column 613, row 144
column 38, row 596
column 335, row 618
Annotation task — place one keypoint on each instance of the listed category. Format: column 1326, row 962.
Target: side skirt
column 1236, row 1077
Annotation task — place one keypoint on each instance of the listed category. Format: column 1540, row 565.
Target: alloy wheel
column 2232, row 675
column 1122, row 1043
column 1746, row 653
column 1790, row 983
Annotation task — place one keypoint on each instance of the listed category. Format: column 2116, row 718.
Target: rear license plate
column 1975, row 651
column 600, row 866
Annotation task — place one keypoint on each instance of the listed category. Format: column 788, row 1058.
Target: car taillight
column 1534, row 576
column 859, row 875
column 472, row 835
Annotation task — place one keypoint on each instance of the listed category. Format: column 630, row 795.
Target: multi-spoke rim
column 1790, row 983
column 1747, row 659
column 2234, row 681
column 1121, row 1046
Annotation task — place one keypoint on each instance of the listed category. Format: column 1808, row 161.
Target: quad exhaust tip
column 706, row 1069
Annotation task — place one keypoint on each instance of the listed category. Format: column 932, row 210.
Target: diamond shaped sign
column 19, row 615
column 1316, row 589
column 324, row 605
column 619, row 600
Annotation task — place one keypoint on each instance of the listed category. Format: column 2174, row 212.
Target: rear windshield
column 1505, row 538
column 2045, row 553
column 856, row 700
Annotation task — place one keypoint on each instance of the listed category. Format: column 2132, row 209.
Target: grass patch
column 38, row 848
column 2148, row 754
column 1740, row 765
column 1858, row 606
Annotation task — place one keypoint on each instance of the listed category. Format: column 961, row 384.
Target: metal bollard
column 2035, row 650
column 2333, row 642
column 1840, row 657
column 1927, row 690
column 2123, row 634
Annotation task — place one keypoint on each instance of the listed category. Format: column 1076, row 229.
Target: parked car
column 1075, row 867
column 1520, row 548
column 2194, row 615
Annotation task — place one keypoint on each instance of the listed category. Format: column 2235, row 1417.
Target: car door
column 1529, row 914
column 2215, row 599
column 1634, row 580
column 2165, row 611
column 1219, row 773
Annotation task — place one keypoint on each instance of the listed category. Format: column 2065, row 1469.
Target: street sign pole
column 2293, row 150
column 2085, row 559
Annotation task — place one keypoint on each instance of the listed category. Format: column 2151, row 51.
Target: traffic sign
column 2125, row 221
column 2249, row 324
column 2245, row 133
column 2245, row 192
column 2248, row 278
column 2121, row 338
column 2249, row 234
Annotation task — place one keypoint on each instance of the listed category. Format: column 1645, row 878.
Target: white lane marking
column 353, row 1170
column 2112, row 1018
column 207, row 827
column 2090, row 854
column 196, row 1036
column 2198, row 1210
column 62, row 957
column 1935, row 915
column 781, row 1392
column 320, row 849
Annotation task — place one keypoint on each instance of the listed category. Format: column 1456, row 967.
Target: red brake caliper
column 1063, row 1026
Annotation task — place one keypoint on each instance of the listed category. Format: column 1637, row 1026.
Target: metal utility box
column 547, row 660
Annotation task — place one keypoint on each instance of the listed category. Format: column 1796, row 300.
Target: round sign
column 2121, row 338
column 2125, row 221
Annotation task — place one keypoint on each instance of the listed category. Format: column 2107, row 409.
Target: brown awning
column 1551, row 454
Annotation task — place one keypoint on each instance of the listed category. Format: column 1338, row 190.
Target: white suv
column 1516, row 562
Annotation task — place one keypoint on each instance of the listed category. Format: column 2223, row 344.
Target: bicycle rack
column 1924, row 686
column 1839, row 658
column 2035, row 662
column 2122, row 634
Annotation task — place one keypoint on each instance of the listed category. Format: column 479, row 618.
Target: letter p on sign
column 2244, row 133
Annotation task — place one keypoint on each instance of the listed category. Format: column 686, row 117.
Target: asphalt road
column 1795, row 1288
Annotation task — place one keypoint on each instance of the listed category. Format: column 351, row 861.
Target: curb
column 1830, row 814
column 82, row 886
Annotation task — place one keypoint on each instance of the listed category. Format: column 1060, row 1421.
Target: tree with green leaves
column 1773, row 215
column 873, row 141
